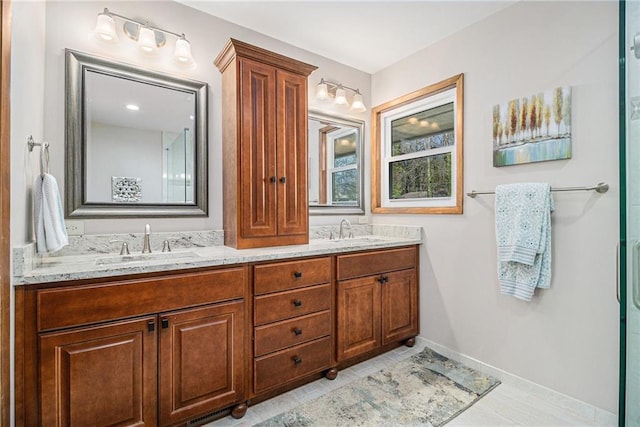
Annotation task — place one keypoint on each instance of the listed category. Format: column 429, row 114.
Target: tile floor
column 509, row 404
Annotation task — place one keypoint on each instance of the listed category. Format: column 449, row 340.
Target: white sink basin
column 142, row 258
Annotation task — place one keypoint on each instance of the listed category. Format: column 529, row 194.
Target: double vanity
column 224, row 319
column 196, row 333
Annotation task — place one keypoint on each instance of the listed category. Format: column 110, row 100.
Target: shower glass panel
column 177, row 167
column 630, row 209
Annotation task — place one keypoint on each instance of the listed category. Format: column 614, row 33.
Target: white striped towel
column 523, row 236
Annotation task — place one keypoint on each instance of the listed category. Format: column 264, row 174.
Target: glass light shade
column 341, row 97
column 147, row 39
column 106, row 27
column 183, row 52
column 357, row 105
column 322, row 91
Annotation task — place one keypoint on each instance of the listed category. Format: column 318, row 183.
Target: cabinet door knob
column 380, row 279
column 165, row 323
column 296, row 360
column 297, row 331
column 297, row 303
column 297, row 274
column 283, row 179
column 151, row 325
column 273, row 179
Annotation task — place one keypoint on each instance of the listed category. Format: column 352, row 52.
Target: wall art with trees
column 536, row 128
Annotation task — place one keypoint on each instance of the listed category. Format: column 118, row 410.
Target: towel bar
column 601, row 187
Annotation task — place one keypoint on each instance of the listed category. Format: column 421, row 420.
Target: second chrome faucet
column 342, row 224
column 146, row 247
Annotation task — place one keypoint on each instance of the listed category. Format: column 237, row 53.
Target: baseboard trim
column 578, row 407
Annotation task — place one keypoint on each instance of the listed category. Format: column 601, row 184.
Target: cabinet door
column 101, row 375
column 358, row 317
column 293, row 212
column 258, row 175
column 201, row 361
column 399, row 306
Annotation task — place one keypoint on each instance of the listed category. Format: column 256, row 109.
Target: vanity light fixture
column 337, row 91
column 148, row 37
column 106, row 27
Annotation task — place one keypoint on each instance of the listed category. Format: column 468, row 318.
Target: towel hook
column 31, row 143
column 44, row 153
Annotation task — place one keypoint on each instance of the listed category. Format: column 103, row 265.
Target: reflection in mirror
column 137, row 138
column 335, row 164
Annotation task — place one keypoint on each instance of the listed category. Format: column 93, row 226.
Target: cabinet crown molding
column 235, row 48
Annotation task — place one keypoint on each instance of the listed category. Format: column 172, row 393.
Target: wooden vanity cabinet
column 293, row 322
column 200, row 364
column 264, row 116
column 105, row 373
column 140, row 352
column 377, row 300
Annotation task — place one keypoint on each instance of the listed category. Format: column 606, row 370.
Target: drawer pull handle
column 297, row 274
column 296, row 360
column 297, row 331
column 165, row 323
column 297, row 303
column 151, row 326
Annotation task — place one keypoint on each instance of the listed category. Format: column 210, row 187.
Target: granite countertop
column 90, row 260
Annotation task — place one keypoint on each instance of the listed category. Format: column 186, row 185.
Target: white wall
column 119, row 151
column 27, row 111
column 567, row 338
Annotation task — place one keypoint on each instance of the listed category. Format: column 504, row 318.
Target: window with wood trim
column 417, row 155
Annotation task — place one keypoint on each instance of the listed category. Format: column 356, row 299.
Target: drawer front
column 62, row 307
column 283, row 366
column 286, row 305
column 291, row 275
column 276, row 336
column 375, row 262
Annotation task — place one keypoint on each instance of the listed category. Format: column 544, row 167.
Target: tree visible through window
column 343, row 167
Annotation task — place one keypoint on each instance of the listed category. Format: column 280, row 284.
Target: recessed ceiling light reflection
column 424, row 123
column 132, row 107
column 413, row 120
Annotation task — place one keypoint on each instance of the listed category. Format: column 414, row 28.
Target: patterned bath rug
column 426, row 389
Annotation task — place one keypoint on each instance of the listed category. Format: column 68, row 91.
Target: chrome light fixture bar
column 326, row 90
column 148, row 37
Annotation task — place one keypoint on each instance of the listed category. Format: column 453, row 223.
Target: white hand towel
column 51, row 233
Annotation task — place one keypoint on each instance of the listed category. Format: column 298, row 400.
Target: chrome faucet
column 342, row 223
column 146, row 247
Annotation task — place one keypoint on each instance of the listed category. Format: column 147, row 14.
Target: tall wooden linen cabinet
column 264, row 132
